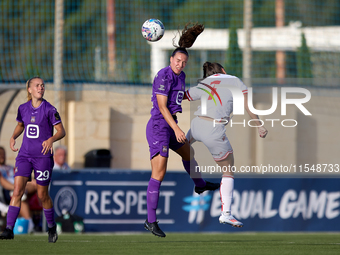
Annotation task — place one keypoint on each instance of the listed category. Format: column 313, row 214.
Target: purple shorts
column 42, row 167
column 161, row 137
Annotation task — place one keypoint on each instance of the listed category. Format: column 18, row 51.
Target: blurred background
column 101, row 40
column 98, row 71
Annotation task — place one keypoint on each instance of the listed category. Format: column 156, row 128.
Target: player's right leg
column 7, row 234
column 228, row 218
column 157, row 134
column 14, row 207
column 215, row 139
column 158, row 165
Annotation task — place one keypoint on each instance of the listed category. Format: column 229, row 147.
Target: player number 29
column 43, row 175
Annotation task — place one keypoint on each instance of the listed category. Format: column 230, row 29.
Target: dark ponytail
column 187, row 39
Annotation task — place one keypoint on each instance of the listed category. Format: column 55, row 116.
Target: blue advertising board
column 115, row 200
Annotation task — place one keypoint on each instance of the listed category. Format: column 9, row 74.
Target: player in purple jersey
column 37, row 119
column 162, row 130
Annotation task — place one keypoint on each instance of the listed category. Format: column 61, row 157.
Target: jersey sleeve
column 54, row 116
column 194, row 93
column 161, row 85
column 243, row 87
column 19, row 115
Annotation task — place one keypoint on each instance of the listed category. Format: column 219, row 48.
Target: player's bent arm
column 261, row 129
column 162, row 105
column 47, row 145
column 60, row 132
column 16, row 133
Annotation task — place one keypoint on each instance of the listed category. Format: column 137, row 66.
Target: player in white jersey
column 209, row 125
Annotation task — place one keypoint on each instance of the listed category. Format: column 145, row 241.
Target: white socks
column 226, row 192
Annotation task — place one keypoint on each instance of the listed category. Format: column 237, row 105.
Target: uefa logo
column 65, row 199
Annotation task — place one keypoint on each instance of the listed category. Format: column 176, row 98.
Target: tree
column 234, row 54
column 134, row 72
column 304, row 64
column 32, row 68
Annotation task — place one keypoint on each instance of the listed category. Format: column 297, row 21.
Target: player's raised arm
column 261, row 129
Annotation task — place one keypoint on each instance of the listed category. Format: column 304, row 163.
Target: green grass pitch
column 176, row 243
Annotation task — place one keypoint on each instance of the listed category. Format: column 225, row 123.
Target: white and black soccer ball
column 153, row 30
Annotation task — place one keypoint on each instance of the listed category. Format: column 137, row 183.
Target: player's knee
column 158, row 175
column 45, row 200
column 43, row 196
column 18, row 193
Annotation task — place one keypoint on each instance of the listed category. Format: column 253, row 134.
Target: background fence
column 102, row 39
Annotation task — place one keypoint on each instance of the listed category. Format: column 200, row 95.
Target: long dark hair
column 211, row 68
column 187, row 38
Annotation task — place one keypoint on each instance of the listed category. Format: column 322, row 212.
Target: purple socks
column 13, row 212
column 12, row 215
column 152, row 195
column 190, row 166
column 49, row 214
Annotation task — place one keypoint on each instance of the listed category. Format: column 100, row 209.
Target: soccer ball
column 153, row 30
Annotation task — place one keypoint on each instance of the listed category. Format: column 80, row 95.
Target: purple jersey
column 169, row 84
column 38, row 124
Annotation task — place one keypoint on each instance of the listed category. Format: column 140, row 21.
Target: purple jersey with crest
column 38, row 124
column 169, row 84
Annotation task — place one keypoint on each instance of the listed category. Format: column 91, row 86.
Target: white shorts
column 214, row 138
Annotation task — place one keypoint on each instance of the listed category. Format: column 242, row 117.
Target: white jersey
column 217, row 88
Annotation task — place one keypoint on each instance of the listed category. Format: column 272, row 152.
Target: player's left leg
column 43, row 179
column 48, row 209
column 226, row 191
column 22, row 175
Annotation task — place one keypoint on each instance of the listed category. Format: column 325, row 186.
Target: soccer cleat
column 52, row 234
column 227, row 218
column 7, row 234
column 208, row 186
column 154, row 228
